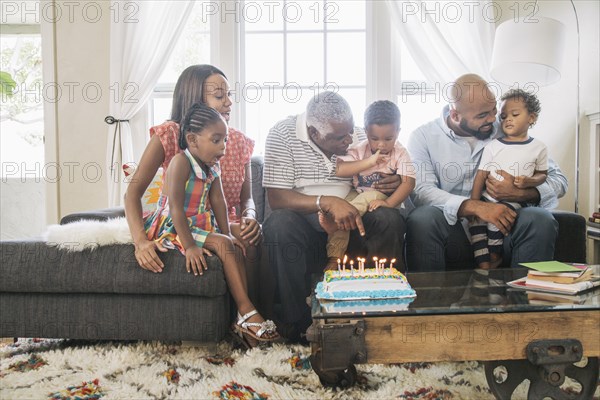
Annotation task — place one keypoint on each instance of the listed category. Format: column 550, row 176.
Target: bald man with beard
column 446, row 153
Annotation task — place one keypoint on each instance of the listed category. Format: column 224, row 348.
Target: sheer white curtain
column 447, row 39
column 140, row 45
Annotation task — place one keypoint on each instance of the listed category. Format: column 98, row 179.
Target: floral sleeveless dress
column 159, row 225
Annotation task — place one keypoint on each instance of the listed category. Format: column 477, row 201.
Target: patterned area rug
column 60, row 369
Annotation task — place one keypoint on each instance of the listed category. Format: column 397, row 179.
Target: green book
column 551, row 266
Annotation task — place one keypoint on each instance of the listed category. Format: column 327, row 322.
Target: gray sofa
column 104, row 294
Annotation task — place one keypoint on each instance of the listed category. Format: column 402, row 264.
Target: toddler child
column 184, row 219
column 381, row 153
column 522, row 156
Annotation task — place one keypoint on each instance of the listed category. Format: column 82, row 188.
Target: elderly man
column 300, row 158
column 446, row 153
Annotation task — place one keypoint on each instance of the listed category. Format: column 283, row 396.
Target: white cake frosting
column 368, row 284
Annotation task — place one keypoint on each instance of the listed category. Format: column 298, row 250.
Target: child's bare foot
column 327, row 223
column 495, row 260
column 485, row 265
column 332, row 264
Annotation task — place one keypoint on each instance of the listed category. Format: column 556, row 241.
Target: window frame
column 383, row 75
column 242, row 106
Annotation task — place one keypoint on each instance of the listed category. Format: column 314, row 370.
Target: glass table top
column 461, row 292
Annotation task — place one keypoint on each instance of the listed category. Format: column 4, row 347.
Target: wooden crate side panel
column 475, row 336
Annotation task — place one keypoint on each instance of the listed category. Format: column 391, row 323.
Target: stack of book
column 591, row 297
column 556, row 277
column 593, row 225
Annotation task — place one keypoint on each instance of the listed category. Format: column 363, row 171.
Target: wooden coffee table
column 467, row 315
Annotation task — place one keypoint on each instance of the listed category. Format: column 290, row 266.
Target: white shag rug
column 56, row 369
column 88, row 235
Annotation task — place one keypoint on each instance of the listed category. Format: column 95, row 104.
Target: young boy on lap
column 381, row 153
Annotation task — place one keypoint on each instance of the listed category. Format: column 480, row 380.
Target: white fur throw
column 86, row 234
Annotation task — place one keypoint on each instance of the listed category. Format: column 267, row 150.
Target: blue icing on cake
column 390, row 284
column 363, row 294
column 371, row 305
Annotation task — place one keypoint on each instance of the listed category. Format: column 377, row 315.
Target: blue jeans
column 434, row 245
column 296, row 247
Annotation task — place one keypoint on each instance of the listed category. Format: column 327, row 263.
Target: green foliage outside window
column 7, row 84
column 22, row 87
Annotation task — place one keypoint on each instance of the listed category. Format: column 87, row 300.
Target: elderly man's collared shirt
column 446, row 166
column 293, row 161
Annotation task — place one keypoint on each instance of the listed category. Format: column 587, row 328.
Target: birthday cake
column 374, row 283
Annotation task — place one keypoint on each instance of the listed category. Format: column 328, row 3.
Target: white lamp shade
column 528, row 52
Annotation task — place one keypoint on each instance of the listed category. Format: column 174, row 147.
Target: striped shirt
column 293, row 161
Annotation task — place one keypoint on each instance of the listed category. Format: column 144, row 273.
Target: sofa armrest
column 571, row 241
column 95, row 215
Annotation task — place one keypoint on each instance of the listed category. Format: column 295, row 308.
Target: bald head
column 472, row 107
column 469, row 90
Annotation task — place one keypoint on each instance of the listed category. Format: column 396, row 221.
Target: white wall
column 556, row 125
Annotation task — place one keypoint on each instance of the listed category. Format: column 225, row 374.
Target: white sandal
column 243, row 327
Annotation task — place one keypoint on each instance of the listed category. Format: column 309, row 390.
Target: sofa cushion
column 571, row 241
column 32, row 266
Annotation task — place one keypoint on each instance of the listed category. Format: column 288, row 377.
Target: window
column 22, row 155
column 418, row 100
column 293, row 50
column 22, row 114
column 276, row 78
column 193, row 47
column 280, row 53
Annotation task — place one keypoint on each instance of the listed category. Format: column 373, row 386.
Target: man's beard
column 477, row 133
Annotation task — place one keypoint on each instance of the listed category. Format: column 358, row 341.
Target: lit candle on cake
column 392, row 261
column 382, row 264
column 376, row 264
column 352, row 267
column 344, row 263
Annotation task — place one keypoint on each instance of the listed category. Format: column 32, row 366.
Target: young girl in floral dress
column 184, row 221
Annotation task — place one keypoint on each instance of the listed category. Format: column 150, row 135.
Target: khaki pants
column 337, row 242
